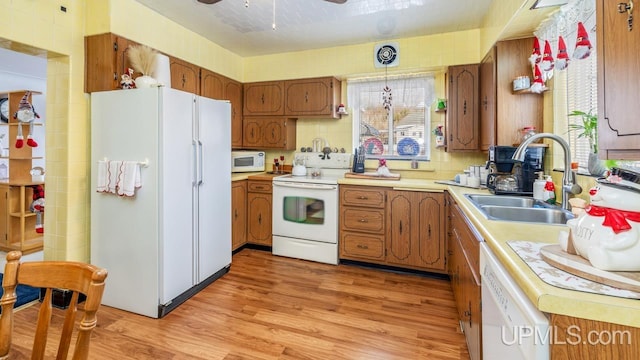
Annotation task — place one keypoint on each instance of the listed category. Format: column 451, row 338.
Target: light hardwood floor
column 270, row 307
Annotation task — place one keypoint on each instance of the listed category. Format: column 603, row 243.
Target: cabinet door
column 184, row 76
column 238, row 214
column 233, row 93
column 212, row 85
column 252, row 132
column 416, row 230
column 462, row 108
column 487, row 100
column 100, row 55
column 311, row 97
column 618, row 83
column 264, row 98
column 259, row 217
column 273, row 133
column 430, row 240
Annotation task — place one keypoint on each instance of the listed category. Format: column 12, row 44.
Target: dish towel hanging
column 118, row 177
column 129, row 178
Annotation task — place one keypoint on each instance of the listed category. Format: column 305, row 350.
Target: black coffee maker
column 508, row 176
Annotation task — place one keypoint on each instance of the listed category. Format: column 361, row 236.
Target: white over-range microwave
column 247, row 161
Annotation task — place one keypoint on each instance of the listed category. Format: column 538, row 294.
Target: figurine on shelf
column 26, row 114
column 127, row 81
column 383, row 170
column 37, row 207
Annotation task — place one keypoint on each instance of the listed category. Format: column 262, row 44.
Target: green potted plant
column 589, row 129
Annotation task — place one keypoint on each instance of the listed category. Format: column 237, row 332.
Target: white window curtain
column 401, row 133
column 575, row 88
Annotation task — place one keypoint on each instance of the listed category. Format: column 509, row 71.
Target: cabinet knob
column 363, row 220
column 363, row 198
column 360, row 246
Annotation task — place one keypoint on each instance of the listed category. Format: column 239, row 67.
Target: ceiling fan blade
column 208, row 2
column 337, row 1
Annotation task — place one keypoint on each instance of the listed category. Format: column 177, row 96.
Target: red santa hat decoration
column 583, row 45
column 562, row 58
column 535, row 52
column 547, row 62
column 26, row 114
column 538, row 81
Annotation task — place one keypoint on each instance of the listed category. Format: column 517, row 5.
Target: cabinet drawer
column 260, row 186
column 356, row 196
column 362, row 246
column 356, row 219
column 470, row 244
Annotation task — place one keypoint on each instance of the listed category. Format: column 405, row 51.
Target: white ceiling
column 311, row 24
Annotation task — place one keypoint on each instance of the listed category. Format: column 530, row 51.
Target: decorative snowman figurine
column 608, row 232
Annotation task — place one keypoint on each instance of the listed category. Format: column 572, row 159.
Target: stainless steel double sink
column 519, row 208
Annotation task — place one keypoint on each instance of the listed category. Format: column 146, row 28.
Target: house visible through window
column 391, row 116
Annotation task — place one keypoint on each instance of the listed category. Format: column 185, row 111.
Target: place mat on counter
column 529, row 252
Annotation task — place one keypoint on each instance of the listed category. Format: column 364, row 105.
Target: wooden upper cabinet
column 264, row 98
column 488, row 100
column 618, row 83
column 462, row 108
column 233, row 93
column 211, row 84
column 216, row 86
column 105, row 61
column 317, row 97
column 272, row 132
column 503, row 112
column 184, row 76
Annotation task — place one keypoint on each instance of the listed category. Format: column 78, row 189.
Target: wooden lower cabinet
column 362, row 223
column 416, row 230
column 575, row 338
column 398, row 228
column 259, row 200
column 238, row 214
column 17, row 221
column 464, row 271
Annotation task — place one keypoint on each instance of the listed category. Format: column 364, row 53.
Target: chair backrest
column 75, row 277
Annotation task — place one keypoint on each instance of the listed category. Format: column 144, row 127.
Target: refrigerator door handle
column 200, row 162
column 194, row 178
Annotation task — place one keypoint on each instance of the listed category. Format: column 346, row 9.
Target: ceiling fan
column 215, row 1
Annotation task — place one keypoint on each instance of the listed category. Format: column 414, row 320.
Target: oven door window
column 303, row 210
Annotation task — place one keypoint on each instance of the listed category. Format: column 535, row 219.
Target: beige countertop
column 546, row 298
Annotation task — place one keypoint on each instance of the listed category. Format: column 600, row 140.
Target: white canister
column 463, row 178
column 473, row 181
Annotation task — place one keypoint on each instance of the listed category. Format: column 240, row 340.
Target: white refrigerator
column 173, row 237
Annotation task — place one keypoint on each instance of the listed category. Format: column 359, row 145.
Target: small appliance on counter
column 509, row 177
column 247, row 161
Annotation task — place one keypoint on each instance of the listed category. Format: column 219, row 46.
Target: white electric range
column 305, row 209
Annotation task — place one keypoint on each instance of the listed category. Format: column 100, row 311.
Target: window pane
column 401, row 132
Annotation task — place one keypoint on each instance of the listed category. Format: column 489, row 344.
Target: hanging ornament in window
column 562, row 59
column 583, row 45
column 386, row 93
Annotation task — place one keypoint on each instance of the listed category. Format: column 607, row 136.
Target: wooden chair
column 73, row 276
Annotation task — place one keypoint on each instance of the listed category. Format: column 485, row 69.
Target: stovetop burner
column 331, row 166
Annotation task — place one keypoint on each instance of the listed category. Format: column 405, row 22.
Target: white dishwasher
column 512, row 327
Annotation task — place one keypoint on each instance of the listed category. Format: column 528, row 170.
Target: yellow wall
column 39, row 27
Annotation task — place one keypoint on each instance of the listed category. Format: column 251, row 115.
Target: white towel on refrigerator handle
column 129, row 178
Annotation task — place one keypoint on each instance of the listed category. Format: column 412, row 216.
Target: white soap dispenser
column 538, row 186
